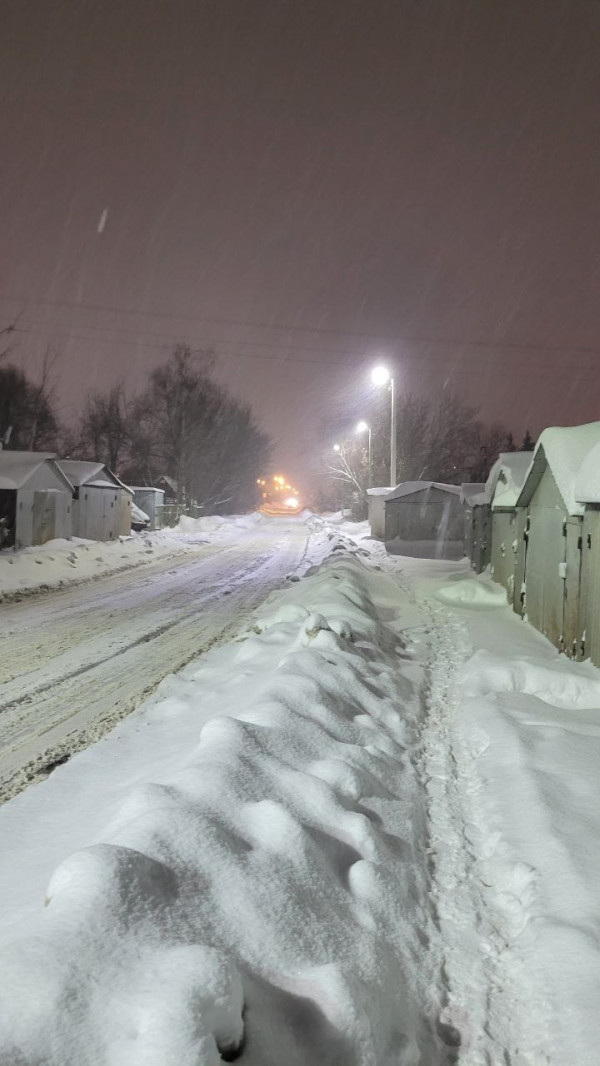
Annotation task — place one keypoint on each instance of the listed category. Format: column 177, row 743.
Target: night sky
column 307, row 187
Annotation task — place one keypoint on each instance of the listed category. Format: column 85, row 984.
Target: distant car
column 139, row 519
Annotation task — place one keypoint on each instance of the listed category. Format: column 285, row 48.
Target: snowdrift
column 261, row 884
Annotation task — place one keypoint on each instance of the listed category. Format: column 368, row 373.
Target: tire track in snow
column 66, row 712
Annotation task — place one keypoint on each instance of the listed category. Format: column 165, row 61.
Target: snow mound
column 270, row 833
column 62, row 563
column 558, row 682
column 472, row 593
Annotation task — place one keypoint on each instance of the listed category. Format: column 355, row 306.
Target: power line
column 282, row 348
column 324, row 330
column 531, row 370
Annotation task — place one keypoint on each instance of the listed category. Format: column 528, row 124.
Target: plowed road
column 72, row 663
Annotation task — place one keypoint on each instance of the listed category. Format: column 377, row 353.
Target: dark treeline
column 183, row 424
column 439, row 438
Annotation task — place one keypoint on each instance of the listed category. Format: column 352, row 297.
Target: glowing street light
column 380, row 375
column 337, row 447
column 363, row 427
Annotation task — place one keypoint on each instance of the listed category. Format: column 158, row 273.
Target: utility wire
column 324, row 330
column 281, row 347
column 530, row 370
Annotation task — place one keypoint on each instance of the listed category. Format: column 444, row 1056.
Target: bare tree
column 104, row 427
column 188, row 426
column 27, row 419
column 42, row 397
column 7, row 332
column 493, row 440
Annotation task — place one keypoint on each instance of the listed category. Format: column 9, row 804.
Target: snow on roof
column 507, row 477
column 101, row 483
column 563, row 449
column 81, row 472
column 146, row 488
column 409, row 487
column 587, row 482
column 470, row 492
column 92, row 474
column 16, row 468
column 378, row 491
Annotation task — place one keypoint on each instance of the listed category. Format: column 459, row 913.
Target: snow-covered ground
column 63, row 563
column 73, row 662
column 366, row 832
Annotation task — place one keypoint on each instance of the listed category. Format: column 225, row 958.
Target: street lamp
column 380, row 375
column 362, row 427
column 337, row 447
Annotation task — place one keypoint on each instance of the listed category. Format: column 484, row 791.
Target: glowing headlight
column 291, row 501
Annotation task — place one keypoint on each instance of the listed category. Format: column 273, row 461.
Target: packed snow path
column 74, row 662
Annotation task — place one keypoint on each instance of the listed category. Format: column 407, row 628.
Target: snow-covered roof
column 470, row 492
column 92, row 474
column 16, row 468
column 80, row 472
column 409, row 487
column 507, row 478
column 587, row 482
column 563, row 449
column 379, row 491
column 146, row 488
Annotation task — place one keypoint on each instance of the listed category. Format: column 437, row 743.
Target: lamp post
column 361, row 427
column 380, row 375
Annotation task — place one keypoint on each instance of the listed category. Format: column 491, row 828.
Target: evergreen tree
column 528, row 443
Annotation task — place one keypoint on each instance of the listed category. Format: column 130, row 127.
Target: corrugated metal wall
column 546, row 560
column 522, row 531
column 481, row 537
column 589, row 618
column 376, row 515
column 97, row 514
column 572, row 585
column 504, row 549
column 426, row 515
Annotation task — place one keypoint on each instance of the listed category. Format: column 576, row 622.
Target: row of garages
column 536, row 523
column 43, row 498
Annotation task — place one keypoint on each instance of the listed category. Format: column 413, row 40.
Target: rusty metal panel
column 589, row 626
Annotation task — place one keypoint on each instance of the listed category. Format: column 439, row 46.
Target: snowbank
column 61, row 563
column 368, row 833
column 243, row 863
column 473, row 593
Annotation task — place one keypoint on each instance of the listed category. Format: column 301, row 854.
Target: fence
column 168, row 514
